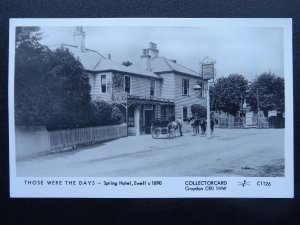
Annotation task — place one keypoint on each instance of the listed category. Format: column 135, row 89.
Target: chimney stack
column 109, row 56
column 153, row 51
column 146, row 60
column 79, row 38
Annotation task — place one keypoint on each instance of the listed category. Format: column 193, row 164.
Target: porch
column 140, row 111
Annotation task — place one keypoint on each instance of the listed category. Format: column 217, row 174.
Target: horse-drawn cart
column 163, row 128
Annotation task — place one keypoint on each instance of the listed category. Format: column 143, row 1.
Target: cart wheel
column 155, row 133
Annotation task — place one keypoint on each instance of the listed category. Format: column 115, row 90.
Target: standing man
column 212, row 124
column 179, row 123
column 196, row 124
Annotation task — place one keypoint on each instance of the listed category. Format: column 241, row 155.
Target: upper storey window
column 103, row 83
column 185, row 86
column 127, row 84
column 152, row 87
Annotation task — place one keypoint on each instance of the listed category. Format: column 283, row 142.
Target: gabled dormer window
column 185, row 86
column 103, row 83
column 127, row 84
column 152, row 87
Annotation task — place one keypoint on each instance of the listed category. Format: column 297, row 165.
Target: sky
column 249, row 51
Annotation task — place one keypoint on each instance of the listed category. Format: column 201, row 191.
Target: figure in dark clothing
column 196, row 126
column 179, row 122
column 203, row 126
column 212, row 124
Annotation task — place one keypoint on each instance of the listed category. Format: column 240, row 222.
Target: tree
column 267, row 93
column 51, row 87
column 198, row 111
column 31, row 102
column 228, row 94
column 103, row 113
column 28, row 36
column 69, row 91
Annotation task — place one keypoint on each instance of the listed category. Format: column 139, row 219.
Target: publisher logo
column 244, row 183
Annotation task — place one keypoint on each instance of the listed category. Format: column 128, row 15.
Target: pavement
column 230, row 153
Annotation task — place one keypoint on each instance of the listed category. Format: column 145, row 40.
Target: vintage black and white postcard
column 151, row 108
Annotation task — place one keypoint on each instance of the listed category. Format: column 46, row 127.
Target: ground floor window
column 184, row 113
column 130, row 122
column 163, row 112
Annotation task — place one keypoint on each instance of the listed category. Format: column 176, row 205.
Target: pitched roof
column 108, row 64
column 162, row 64
column 89, row 58
column 94, row 61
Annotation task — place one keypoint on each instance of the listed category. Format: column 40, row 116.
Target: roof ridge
column 166, row 61
column 179, row 65
column 186, row 68
column 97, row 63
column 95, row 52
column 76, row 46
column 61, row 44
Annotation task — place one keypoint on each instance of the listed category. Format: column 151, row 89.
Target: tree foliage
column 103, row 113
column 228, row 94
column 31, row 102
column 51, row 87
column 69, row 91
column 267, row 93
column 198, row 111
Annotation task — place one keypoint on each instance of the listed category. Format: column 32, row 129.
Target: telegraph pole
column 257, row 97
column 208, row 72
column 208, row 112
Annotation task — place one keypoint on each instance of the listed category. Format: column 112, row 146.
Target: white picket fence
column 30, row 141
column 71, row 138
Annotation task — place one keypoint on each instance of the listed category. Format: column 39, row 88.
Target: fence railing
column 241, row 123
column 81, row 136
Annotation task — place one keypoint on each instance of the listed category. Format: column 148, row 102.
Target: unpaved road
column 230, row 152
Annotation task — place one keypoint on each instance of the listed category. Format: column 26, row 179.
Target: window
column 130, row 122
column 163, row 112
column 184, row 113
column 103, row 83
column 127, row 84
column 202, row 90
column 185, row 87
column 199, row 90
column 152, row 87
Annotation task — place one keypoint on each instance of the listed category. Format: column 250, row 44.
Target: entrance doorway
column 149, row 115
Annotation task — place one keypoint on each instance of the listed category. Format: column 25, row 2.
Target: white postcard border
column 281, row 187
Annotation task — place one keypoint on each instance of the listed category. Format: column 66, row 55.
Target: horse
column 173, row 128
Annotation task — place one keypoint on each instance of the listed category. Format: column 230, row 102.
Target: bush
column 104, row 113
column 198, row 111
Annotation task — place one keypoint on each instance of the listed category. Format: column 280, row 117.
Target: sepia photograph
column 154, row 100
